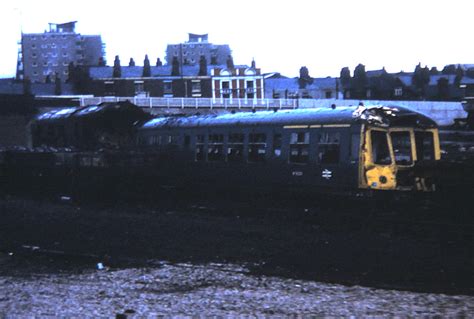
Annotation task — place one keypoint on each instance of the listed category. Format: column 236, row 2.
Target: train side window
column 329, row 147
column 200, row 148
column 235, row 147
column 380, row 150
column 187, row 141
column 299, row 147
column 424, row 146
column 215, row 147
column 257, row 147
column 277, row 141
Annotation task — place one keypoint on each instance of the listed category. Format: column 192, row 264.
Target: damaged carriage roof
column 377, row 115
column 82, row 111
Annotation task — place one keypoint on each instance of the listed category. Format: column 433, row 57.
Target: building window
column 139, row 87
column 250, row 90
column 328, row 95
column 235, row 148
column 109, row 88
column 226, row 89
column 168, row 87
column 398, row 91
column 299, row 147
column 328, row 149
column 257, row 147
column 215, row 147
column 196, row 86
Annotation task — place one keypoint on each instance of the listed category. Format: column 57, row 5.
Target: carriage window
column 257, row 147
column 402, row 147
column 173, row 139
column 187, row 141
column 277, row 145
column 235, row 148
column 328, row 148
column 380, row 151
column 424, row 146
column 200, row 148
column 215, row 147
column 299, row 147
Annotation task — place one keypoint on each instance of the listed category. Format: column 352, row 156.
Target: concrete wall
column 444, row 113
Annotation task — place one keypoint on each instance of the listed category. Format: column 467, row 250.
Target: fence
column 209, row 103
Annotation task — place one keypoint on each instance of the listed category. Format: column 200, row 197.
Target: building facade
column 240, row 82
column 189, row 53
column 45, row 56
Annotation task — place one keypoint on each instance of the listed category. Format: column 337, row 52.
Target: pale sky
column 282, row 36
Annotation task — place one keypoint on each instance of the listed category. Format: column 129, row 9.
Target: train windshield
column 380, row 149
column 424, row 146
column 401, row 144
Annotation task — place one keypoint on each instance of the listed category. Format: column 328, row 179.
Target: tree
column 420, row 79
column 434, row 71
column 146, row 67
column 360, row 82
column 131, row 62
column 175, row 67
column 26, row 86
column 449, row 69
column 230, row 62
column 202, row 65
column 443, row 89
column 117, row 73
column 459, row 75
column 57, row 85
column 158, row 62
column 345, row 76
column 304, row 78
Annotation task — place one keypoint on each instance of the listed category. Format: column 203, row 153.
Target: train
column 346, row 150
column 357, row 151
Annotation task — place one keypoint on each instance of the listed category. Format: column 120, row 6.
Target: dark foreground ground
column 180, row 257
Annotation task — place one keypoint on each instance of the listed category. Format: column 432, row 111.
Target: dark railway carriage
column 342, row 150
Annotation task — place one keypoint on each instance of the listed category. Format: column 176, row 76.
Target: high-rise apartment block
column 45, row 56
column 189, row 53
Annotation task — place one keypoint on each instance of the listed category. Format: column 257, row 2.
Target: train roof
column 384, row 116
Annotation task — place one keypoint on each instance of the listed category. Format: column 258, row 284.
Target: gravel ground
column 210, row 290
column 221, row 262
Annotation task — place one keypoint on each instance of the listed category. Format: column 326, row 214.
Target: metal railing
column 210, row 103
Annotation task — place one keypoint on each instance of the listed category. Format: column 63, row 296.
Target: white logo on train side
column 327, row 174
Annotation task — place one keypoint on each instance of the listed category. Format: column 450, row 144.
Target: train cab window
column 257, row 147
column 215, row 147
column 424, row 146
column 235, row 148
column 200, row 148
column 277, row 140
column 329, row 147
column 380, row 150
column 402, row 147
column 299, row 147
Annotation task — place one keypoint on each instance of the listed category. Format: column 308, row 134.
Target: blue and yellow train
column 350, row 150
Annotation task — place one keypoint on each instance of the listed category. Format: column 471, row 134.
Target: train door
column 377, row 169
